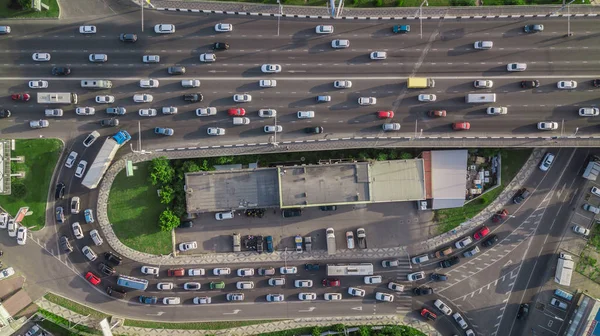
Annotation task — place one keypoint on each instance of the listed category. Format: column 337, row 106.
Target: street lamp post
column 275, row 133
column 421, row 15
column 280, row 14
column 142, row 5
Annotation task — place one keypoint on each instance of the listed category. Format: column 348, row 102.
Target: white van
column 96, row 237
column 241, row 121
column 350, row 239
column 420, row 259
column 372, row 279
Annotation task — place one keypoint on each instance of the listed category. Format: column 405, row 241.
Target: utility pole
column 142, row 5
column 421, row 15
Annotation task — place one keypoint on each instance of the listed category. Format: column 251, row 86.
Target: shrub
column 19, row 190
column 462, row 2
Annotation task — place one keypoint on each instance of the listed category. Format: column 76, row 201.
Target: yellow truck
column 420, row 83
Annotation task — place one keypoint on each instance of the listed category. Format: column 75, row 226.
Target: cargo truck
column 420, row 83
column 480, row 98
column 564, row 269
column 104, row 159
column 57, row 98
column 330, row 241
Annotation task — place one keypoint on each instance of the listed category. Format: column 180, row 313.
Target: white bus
column 350, row 269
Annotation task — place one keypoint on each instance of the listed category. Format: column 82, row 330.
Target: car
column 191, row 286
column 242, row 98
column 223, row 27
column 164, row 131
column 582, row 231
column 390, row 263
column 516, row 67
column 385, row 114
column 208, row 57
column 89, row 29
column 276, row 281
column 484, row 231
column 171, row 300
column 416, row 276
column 396, row 287
column 340, row 44
column 420, row 259
column 61, row 71
column 496, row 110
column 244, row 272
column 365, row 101
column 463, row 242
column 328, row 208
column 372, row 279
column 89, row 253
column 267, row 113
column 176, row 70
column 143, row 98
column 533, row 28
column 202, row 300
column 92, row 278
column 60, row 215
column 483, row 84
column 305, row 114
column 289, row 270
column 149, row 270
column 436, row 113
column 5, row 113
column 222, row 271
column 500, row 216
column 236, row 112
column 4, row 30
column 244, row 285
column 530, row 84
column 21, row 96
column 427, row 97
column 558, row 304
column 269, row 242
column 148, row 299
column 13, row 227
column 313, row 130
column 116, row 110
column 22, row 235
column 461, row 126
column 75, row 203
column 442, row 307
column 151, row 59
column 71, row 159
column 471, row 252
column 267, row 83
column 147, row 112
column 131, row 38
column 164, row 29
column 342, row 84
column 80, row 169
column 521, row 195
column 206, row 111
column 59, row 192
column 483, row 45
column 324, row 29
column 428, row 314
column 112, row 122
column 215, row 131
column 449, row 262
column 547, row 126
column 596, row 82
column 307, row 296
column 490, row 241
column 224, row 215
column 41, row 57
column 303, row 283
column 113, row 258
column 438, row 277
column 589, row 112
column 190, row 83
column 270, row 68
column 235, row 297
column 422, row 291
column 106, row 270
column 460, row 320
column 332, row 296
column 196, row 272
column 378, row 55
column 98, row 58
column 220, row 46
column 567, row 85
column 331, row 282
column 401, row 29
column 105, row 99
column 385, row 297
column 65, row 245
column 38, row 84
column 217, row 285
column 146, row 84
column 387, row 127
column 546, row 162
column 595, row 191
column 266, row 271
column 85, row 111
column 3, row 220
column 273, row 129
column 523, row 311
column 188, row 246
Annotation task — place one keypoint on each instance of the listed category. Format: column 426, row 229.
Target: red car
column 437, row 113
column 461, row 126
column 21, row 96
column 484, row 231
column 94, row 280
column 237, row 112
column 330, row 282
column 500, row 215
column 428, row 315
column 385, row 114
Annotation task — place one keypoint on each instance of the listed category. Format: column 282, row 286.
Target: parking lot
column 386, row 224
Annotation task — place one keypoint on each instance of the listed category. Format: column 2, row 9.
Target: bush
column 18, row 190
column 339, row 327
column 405, row 156
column 168, row 220
column 166, row 195
column 462, row 2
column 382, row 157
column 161, row 171
column 379, row 3
column 316, row 331
column 400, row 3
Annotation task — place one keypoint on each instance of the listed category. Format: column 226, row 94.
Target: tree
column 166, row 195
column 405, row 156
column 316, row 331
column 161, row 171
column 364, row 330
column 168, row 220
column 24, row 4
column 190, row 166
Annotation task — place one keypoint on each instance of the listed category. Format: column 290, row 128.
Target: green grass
column 7, row 13
column 194, row 325
column 133, row 211
column 64, row 323
column 74, row 306
column 512, row 161
column 32, row 191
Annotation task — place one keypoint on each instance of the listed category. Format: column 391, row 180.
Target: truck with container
column 330, row 241
column 298, row 241
column 104, row 159
column 480, row 98
column 420, row 83
column 361, row 236
column 57, row 98
column 96, row 84
column 564, row 269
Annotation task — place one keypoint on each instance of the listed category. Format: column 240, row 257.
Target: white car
column 105, row 99
column 288, row 270
column 516, row 67
column 307, row 296
column 396, row 287
column 547, row 125
column 165, row 286
column 39, row 123
column 595, row 191
column 188, row 246
column 340, row 44
column 80, row 168
column 242, row 98
column 342, row 84
column 469, row 332
column 222, row 271
column 364, row 101
column 442, row 307
column 356, row 292
column 38, row 84
column 582, row 231
column 208, row 57
column 149, row 270
column 267, row 113
column 483, row 84
column 86, row 111
column 172, row 300
column 483, row 45
column 41, row 57
column 147, row 112
column 87, row 29
column 196, row 272
column 463, row 242
column 460, row 320
column 303, row 283
column 496, row 110
column 77, row 232
column 89, row 253
column 416, row 276
column 332, row 296
column 267, row 83
column 202, row 300
column 384, row 297
column 324, row 29
column 164, row 29
column 270, row 68
column 98, row 58
column 276, row 282
column 7, row 272
column 546, row 162
column 143, row 98
column 3, row 220
column 566, row 85
column 273, row 129
column 244, row 285
column 169, row 110
column 12, row 228
column 53, row 112
column 223, row 27
column 149, row 83
column 215, row 131
column 378, row 55
column 151, row 59
column 275, row 298
column 224, row 215
column 427, row 97
column 243, row 272
column 22, row 235
column 206, row 111
column 306, row 114
column 589, row 112
column 372, row 279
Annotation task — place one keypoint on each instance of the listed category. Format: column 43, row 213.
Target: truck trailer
column 474, row 98
column 56, row 98
column 104, row 159
column 420, row 83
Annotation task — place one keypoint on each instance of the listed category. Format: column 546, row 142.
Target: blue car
column 148, row 299
column 164, row 131
column 60, row 215
column 89, row 216
column 269, row 240
column 401, row 29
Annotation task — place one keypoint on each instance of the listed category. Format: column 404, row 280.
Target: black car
column 523, row 311
column 449, row 262
column 313, row 130
column 521, row 196
column 422, row 291
column 105, row 269
column 295, row 212
column 311, row 267
column 438, row 277
column 60, row 191
column 490, row 241
column 113, row 258
column 596, row 82
column 328, row 208
column 530, row 84
column 128, row 38
column 176, row 70
column 61, row 71
column 65, row 245
column 186, row 224
column 5, row 113
column 260, row 244
column 220, row 46
column 193, row 97
column 112, row 122
column 115, row 293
